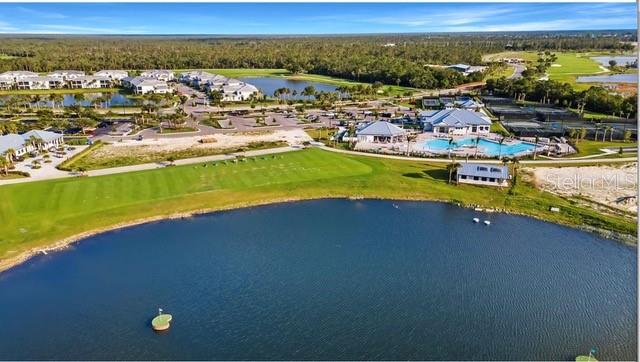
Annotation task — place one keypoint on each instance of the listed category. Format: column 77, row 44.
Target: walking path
column 151, row 166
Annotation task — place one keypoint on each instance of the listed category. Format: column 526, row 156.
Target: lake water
column 620, row 60
column 268, row 85
column 328, row 279
column 614, row 78
column 486, row 147
column 117, row 99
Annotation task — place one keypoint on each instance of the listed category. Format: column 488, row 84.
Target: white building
column 67, row 74
column 21, row 144
column 238, row 92
column 37, row 82
column 8, row 79
column 159, row 74
column 483, row 174
column 143, row 85
column 114, row 75
column 381, row 132
column 90, row 81
column 455, row 122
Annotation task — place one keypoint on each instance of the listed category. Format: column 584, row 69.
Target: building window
column 484, row 179
column 464, row 177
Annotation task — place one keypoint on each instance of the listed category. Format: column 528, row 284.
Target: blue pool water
column 486, row 147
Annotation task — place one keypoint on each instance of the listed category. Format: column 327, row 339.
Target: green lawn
column 571, row 65
column 37, row 214
column 591, row 147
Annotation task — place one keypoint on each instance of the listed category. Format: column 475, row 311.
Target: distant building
column 381, row 132
column 238, row 92
column 21, row 144
column 8, row 79
column 67, row 74
column 144, row 85
column 37, row 82
column 483, row 174
column 114, row 75
column 159, row 74
column 455, row 122
column 467, row 69
column 90, row 81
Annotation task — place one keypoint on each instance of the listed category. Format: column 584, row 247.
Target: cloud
column 41, row 14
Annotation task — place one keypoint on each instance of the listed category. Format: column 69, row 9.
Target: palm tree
column 309, row 91
column 10, row 154
column 604, row 133
column 451, row 167
column 477, row 141
column 452, row 143
column 5, row 165
column 516, row 166
column 56, row 98
column 410, row 138
column 500, row 149
column 535, row 149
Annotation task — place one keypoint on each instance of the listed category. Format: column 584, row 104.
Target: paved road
column 517, row 71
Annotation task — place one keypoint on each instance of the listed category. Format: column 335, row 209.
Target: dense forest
column 391, row 59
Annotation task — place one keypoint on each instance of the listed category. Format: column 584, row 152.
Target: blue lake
column 613, row 78
column 327, row 279
column 619, row 59
column 268, row 85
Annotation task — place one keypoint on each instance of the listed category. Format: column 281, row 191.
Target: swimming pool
column 485, row 146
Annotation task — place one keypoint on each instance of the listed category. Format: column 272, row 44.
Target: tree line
column 390, row 59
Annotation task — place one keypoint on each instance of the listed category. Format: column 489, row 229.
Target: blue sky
column 309, row 18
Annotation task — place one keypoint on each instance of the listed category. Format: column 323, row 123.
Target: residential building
column 115, row 75
column 483, row 174
column 144, row 85
column 238, row 92
column 381, row 132
column 8, row 79
column 90, row 81
column 37, row 82
column 66, row 74
column 159, row 74
column 21, row 144
column 455, row 122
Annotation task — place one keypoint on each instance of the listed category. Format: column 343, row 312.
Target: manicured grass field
column 37, row 214
column 571, row 65
column 591, row 147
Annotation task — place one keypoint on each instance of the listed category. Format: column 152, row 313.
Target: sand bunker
column 610, row 185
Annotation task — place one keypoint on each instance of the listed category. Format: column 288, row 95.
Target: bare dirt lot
column 131, row 152
column 608, row 185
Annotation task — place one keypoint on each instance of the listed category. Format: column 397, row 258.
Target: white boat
column 487, row 222
column 475, row 219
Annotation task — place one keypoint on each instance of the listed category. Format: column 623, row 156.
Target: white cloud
column 41, row 14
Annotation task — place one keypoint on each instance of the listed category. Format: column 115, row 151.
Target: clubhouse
column 34, row 140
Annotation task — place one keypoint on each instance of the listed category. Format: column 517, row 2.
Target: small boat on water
column 487, row 222
column 475, row 219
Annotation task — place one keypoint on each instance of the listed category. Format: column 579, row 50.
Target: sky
column 309, row 18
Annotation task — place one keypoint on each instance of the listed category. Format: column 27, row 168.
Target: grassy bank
column 38, row 214
column 590, row 147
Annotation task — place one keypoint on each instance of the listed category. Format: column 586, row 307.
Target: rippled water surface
column 331, row 279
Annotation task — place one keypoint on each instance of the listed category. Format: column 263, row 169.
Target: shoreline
column 64, row 243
